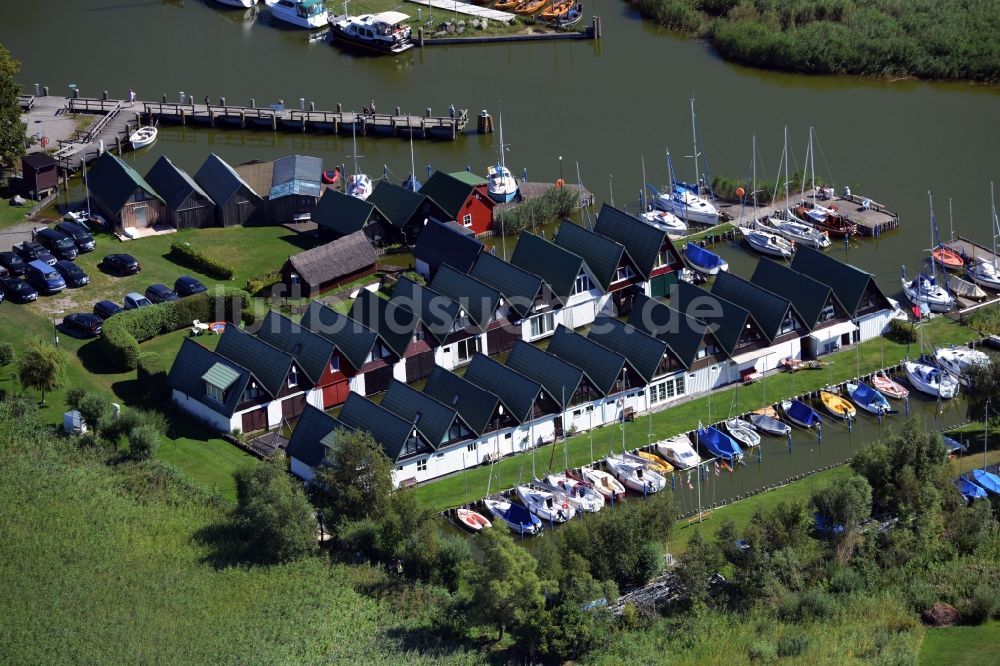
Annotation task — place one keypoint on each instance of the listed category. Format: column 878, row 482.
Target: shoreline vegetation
column 927, row 39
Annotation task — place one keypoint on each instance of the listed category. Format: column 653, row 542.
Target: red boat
column 473, row 520
column 947, row 258
column 834, row 224
column 331, row 177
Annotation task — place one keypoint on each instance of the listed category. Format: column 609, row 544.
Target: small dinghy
column 742, row 432
column 965, row 289
column 635, row 476
column 581, row 495
column 665, row 221
column 837, row 405
column 958, row 361
column 869, row 399
column 770, row 424
column 548, row 506
column 800, row 413
column 514, row 516
column 679, row 452
column 472, row 520
column 719, row 444
column 602, row 482
column 988, row 480
column 142, row 137
column 947, row 258
column 970, row 490
column 888, row 387
column 953, row 446
column 651, row 461
column 703, row 260
column 928, row 379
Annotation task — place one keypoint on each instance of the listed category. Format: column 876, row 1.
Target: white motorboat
column 798, row 231
column 581, row 496
column 548, row 506
column 666, row 222
column 985, row 274
column 767, row 243
column 385, row 32
column 924, row 291
column 688, row 206
column 602, row 482
column 635, row 476
column 242, row 4
column 359, row 185
column 500, row 185
column 679, row 451
column 928, row 379
column 957, row 361
column 142, row 137
column 309, row 14
column 742, row 432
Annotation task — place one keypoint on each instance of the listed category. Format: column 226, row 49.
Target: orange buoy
column 740, row 191
column 560, row 182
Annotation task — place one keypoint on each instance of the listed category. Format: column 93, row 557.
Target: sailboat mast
column 413, row 168
column 694, row 141
column 812, row 166
column 951, row 221
column 994, row 222
column 354, row 141
column 753, row 170
column 784, row 158
column 642, row 190
column 930, row 203
column 503, row 161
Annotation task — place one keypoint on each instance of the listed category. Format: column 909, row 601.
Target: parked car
column 123, row 264
column 73, row 274
column 80, row 235
column 186, row 285
column 32, row 251
column 161, row 293
column 46, row 279
column 83, row 324
column 4, row 272
column 105, row 309
column 61, row 245
column 13, row 263
column 135, row 300
column 18, row 290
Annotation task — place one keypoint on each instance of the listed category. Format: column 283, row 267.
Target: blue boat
column 969, row 490
column 514, row 516
column 704, row 261
column 869, row 399
column 987, row 480
column 952, row 446
column 826, row 525
column 719, row 444
column 800, row 413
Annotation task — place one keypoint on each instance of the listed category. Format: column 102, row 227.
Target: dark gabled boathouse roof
column 848, row 282
column 602, row 366
column 479, row 300
column 354, row 340
column 807, row 295
column 768, row 309
column 473, row 403
column 517, row 392
column 558, row 267
column 731, row 321
column 519, row 287
column 559, row 378
column 314, row 436
column 643, row 352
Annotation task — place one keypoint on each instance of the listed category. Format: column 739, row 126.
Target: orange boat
column 529, row 6
column 557, row 9
column 506, row 4
column 947, row 258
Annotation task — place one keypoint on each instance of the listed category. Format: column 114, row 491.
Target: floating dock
column 871, row 217
column 971, row 250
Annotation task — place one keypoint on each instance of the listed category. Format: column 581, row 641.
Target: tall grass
column 933, row 39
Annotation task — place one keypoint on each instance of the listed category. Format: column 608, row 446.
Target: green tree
column 700, row 560
column 273, row 512
column 844, row 504
column 41, row 367
column 12, row 130
column 983, row 395
column 356, row 480
column 506, row 590
column 94, row 407
column 6, row 354
column 143, row 442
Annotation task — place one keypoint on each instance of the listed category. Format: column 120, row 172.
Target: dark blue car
column 105, row 309
column 44, row 278
column 13, row 263
column 161, row 293
column 73, row 274
column 186, row 285
column 18, row 290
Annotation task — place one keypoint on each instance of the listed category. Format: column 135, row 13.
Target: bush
column 152, row 375
column 415, row 277
column 761, row 651
column 901, row 332
column 143, row 442
column 846, row 580
column 793, row 645
column 183, row 253
column 981, row 606
column 259, row 283
column 813, row 604
column 551, row 207
column 6, row 353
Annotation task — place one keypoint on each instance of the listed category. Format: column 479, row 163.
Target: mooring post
column 104, row 95
column 340, row 107
column 45, row 90
column 420, row 35
column 312, row 106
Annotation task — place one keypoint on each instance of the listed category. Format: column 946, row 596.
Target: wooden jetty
column 871, row 217
column 971, row 250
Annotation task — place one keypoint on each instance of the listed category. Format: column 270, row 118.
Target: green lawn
column 209, row 462
column 961, row 646
column 472, row 484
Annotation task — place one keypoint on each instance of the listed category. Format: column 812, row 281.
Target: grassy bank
column 472, row 484
column 932, row 39
column 961, row 646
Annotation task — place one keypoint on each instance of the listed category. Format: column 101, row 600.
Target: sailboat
column 650, row 461
column 704, row 260
column 941, row 254
column 889, row 387
column 635, row 476
column 785, row 224
column 988, row 480
column 684, row 200
column 769, row 424
column 411, row 183
column 664, row 221
column 719, row 443
column 923, row 290
column 513, row 515
column 970, row 490
column 928, row 379
column 548, row 506
column 581, row 495
column 472, row 520
column 679, row 452
column 868, row 399
column 742, row 432
column 800, row 413
column 358, row 184
column 986, row 273
column 500, row 185
column 767, row 243
column 837, row 405
column 602, row 482
column 824, row 218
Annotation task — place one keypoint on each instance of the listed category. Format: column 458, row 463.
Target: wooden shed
column 188, row 205
column 235, row 201
column 123, row 196
column 40, row 175
column 295, row 188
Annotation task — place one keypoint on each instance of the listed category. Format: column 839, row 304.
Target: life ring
column 560, row 183
column 331, row 177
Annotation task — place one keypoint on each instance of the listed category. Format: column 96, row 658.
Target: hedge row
column 259, row 283
column 124, row 331
column 183, row 253
column 152, row 376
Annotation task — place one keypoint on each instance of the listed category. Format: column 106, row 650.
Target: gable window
column 467, row 220
column 707, row 350
column 215, row 393
column 542, row 324
column 467, row 348
column 456, row 432
column 582, row 284
column 422, row 465
column 749, row 335
column 251, row 393
column 827, row 313
column 335, row 364
column 293, row 377
column 624, row 273
column 788, row 324
column 411, row 446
